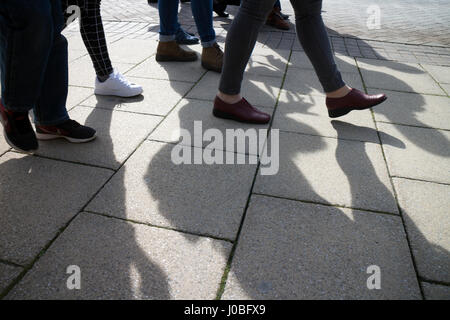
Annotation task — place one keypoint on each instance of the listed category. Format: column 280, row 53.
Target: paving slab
column 174, row 71
column 82, row 73
column 190, row 111
column 332, row 171
column 158, row 98
column 414, row 109
column 118, row 135
column 407, row 77
column 150, row 188
column 259, row 90
column 121, row 260
column 344, row 63
column 293, row 250
column 425, row 208
column 305, row 81
column 435, row 291
column 40, row 198
column 268, row 62
column 424, row 155
column 446, row 88
column 77, row 95
column 4, row 146
column 132, row 50
column 440, row 73
column 308, row 114
column 7, row 274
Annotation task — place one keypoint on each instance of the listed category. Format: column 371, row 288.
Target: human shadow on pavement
column 212, row 204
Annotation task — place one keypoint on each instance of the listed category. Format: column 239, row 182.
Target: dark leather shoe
column 354, row 100
column 241, row 111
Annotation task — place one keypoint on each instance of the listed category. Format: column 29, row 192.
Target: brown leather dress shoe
column 171, row 51
column 354, row 100
column 241, row 111
column 212, row 58
column 276, row 20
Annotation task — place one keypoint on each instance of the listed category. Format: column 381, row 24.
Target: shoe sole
column 116, row 94
column 224, row 115
column 211, row 68
column 164, row 58
column 45, row 136
column 343, row 111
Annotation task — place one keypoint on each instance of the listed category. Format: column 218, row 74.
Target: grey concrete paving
column 153, row 101
column 190, row 111
column 122, row 260
column 425, row 207
column 436, row 291
column 292, row 250
column 157, row 230
column 150, row 188
column 419, row 153
column 308, row 114
column 334, row 171
column 7, row 274
column 118, row 135
column 54, row 192
column 414, row 110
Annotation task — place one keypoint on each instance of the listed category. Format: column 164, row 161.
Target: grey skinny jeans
column 311, row 32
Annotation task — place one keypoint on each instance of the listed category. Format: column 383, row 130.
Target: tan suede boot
column 212, row 58
column 171, row 51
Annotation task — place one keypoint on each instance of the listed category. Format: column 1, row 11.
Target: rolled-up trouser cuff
column 166, row 38
column 207, row 44
column 52, row 122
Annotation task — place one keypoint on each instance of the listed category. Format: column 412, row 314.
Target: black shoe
column 284, row 16
column 18, row 130
column 69, row 130
column 152, row 1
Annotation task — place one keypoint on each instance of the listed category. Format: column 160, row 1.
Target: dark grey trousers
column 311, row 32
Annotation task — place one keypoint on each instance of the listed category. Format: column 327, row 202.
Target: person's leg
column 202, row 10
column 91, row 27
column 212, row 55
column 50, row 108
column 108, row 81
column 26, row 39
column 239, row 45
column 311, row 31
column 168, row 20
column 51, row 117
column 314, row 39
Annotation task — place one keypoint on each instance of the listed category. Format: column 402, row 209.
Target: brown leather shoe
column 241, row 111
column 354, row 100
column 171, row 51
column 212, row 58
column 276, row 20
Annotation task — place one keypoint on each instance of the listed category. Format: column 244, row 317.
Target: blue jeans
column 33, row 59
column 202, row 10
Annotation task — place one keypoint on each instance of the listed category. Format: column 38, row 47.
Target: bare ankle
column 339, row 93
column 230, row 99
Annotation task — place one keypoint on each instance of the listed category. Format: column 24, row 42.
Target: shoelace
column 122, row 79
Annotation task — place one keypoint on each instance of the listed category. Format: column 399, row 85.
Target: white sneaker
column 117, row 85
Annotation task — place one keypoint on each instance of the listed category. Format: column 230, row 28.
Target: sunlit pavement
column 357, row 210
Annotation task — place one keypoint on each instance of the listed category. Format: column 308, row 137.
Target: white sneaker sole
column 45, row 136
column 117, row 93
